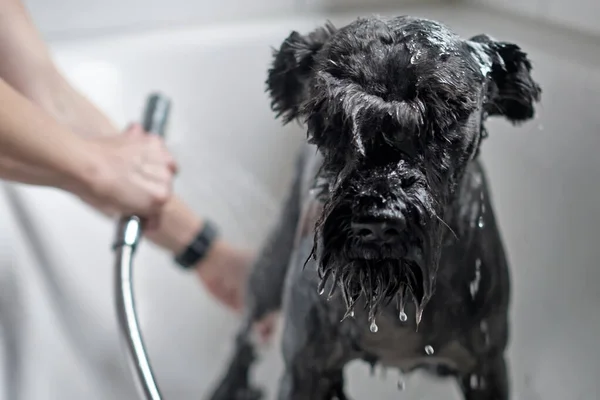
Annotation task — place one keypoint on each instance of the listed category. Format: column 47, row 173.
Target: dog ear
column 292, row 65
column 513, row 91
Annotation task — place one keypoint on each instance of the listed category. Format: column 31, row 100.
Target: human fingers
column 222, row 292
column 146, row 195
column 159, row 192
column 233, row 302
column 157, row 152
column 265, row 327
column 157, row 173
column 134, row 130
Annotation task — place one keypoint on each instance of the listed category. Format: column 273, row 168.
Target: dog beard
column 378, row 277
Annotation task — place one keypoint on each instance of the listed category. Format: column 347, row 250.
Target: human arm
column 131, row 173
column 36, row 149
column 33, row 73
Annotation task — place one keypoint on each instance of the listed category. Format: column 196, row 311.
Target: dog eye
column 408, row 182
column 393, row 139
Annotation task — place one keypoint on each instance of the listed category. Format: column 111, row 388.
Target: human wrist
column 177, row 228
column 202, row 247
column 86, row 172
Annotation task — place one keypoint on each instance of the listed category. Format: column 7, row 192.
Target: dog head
column 396, row 107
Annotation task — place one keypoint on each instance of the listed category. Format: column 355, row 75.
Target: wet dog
column 387, row 249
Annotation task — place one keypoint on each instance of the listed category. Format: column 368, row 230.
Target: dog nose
column 379, row 232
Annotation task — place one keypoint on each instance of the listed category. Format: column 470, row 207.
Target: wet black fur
column 395, row 111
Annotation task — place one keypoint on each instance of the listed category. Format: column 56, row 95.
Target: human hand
column 265, row 327
column 224, row 272
column 134, row 175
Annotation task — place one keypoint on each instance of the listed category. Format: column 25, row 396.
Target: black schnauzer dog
column 389, row 215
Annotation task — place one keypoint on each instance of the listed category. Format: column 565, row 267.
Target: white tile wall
column 75, row 17
column 60, row 18
column 581, row 15
column 525, row 7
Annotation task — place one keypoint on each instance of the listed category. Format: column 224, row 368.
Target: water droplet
column 429, row 350
column 474, row 382
column 415, row 57
column 474, row 286
column 484, row 329
column 480, row 223
column 401, row 384
column 351, row 314
column 403, row 317
column 374, row 328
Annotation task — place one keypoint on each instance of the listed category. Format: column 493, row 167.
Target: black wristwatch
column 199, row 247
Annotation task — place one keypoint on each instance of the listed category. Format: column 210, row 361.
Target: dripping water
column 403, row 317
column 401, row 384
column 482, row 203
column 373, row 328
column 484, row 329
column 400, row 300
column 429, row 350
column 401, row 381
column 474, row 287
column 474, row 382
column 481, row 222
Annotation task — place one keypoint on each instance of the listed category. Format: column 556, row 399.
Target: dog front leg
column 488, row 381
column 266, row 282
column 235, row 384
column 263, row 295
column 315, row 346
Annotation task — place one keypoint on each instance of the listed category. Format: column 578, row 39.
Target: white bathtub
column 235, row 162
